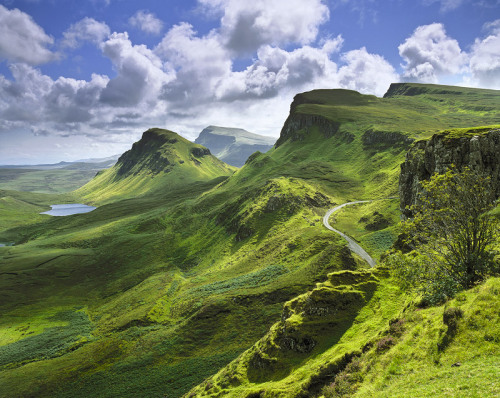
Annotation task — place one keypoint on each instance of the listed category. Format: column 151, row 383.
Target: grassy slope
column 161, row 160
column 178, row 279
column 390, row 347
column 418, row 110
column 420, row 362
column 44, row 181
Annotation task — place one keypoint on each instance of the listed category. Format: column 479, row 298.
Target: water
column 6, row 244
column 68, row 210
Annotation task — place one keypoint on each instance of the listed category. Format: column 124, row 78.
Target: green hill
column 161, row 160
column 186, row 266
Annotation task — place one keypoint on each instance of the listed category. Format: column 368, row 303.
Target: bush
column 451, row 227
column 451, row 234
column 345, row 381
column 385, row 343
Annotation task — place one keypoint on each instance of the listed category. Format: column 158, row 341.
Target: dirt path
column 351, row 242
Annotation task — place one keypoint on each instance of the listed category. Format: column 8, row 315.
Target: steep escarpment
column 303, row 118
column 298, row 126
column 477, row 149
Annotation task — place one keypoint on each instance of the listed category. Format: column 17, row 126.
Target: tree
column 451, row 233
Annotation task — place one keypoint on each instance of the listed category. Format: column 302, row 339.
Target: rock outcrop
column 297, row 126
column 373, row 137
column 478, row 150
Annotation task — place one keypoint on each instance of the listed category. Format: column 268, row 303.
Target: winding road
column 351, row 242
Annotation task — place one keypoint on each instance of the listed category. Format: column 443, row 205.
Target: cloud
column 188, row 80
column 87, row 29
column 141, row 73
column 276, row 70
column 199, row 62
column 485, row 58
column 245, row 26
column 366, row 73
column 22, row 40
column 36, row 98
column 147, row 22
column 430, row 54
column 445, row 5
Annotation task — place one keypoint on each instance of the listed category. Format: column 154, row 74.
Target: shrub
column 385, row 343
column 453, row 230
column 345, row 381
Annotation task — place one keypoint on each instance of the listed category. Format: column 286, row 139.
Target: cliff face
column 296, row 122
column 477, row 149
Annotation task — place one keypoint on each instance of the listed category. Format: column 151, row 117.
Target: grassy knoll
column 187, row 263
column 464, row 332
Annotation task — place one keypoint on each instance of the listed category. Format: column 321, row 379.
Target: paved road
column 351, row 242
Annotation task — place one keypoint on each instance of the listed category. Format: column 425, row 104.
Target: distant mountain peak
column 233, row 145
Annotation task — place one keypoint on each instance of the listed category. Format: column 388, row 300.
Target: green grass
column 44, row 181
column 417, row 110
column 416, row 366
column 186, row 264
column 373, row 225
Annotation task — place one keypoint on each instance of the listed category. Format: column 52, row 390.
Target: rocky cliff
column 478, row 149
column 297, row 126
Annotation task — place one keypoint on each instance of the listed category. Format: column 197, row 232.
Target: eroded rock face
column 373, row 137
column 297, row 127
column 479, row 152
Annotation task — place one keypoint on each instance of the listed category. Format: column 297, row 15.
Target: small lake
column 69, row 209
column 3, row 244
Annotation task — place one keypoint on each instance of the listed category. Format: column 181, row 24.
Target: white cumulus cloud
column 87, row 29
column 245, row 26
column 147, row 22
column 141, row 73
column 430, row 54
column 485, row 58
column 366, row 73
column 199, row 62
column 36, row 98
column 22, row 40
column 276, row 70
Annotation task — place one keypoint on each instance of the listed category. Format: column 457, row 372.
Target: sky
column 83, row 79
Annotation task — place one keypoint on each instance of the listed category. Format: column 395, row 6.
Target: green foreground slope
column 184, row 265
column 357, row 335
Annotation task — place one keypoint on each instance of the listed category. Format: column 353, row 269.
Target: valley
column 193, row 278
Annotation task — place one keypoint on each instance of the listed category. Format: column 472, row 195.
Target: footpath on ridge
column 351, row 243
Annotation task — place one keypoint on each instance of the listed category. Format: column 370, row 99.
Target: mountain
column 160, row 160
column 194, row 279
column 233, row 145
